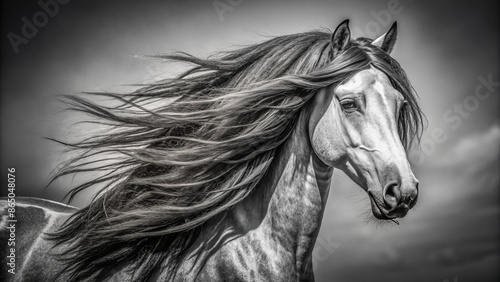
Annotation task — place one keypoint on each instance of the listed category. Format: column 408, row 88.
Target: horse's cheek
column 326, row 142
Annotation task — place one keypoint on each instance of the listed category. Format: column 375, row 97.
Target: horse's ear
column 387, row 41
column 340, row 38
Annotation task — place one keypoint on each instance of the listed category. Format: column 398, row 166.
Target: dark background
column 446, row 47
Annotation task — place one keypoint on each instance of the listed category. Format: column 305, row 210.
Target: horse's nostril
column 392, row 195
column 414, row 198
column 413, row 202
column 390, row 191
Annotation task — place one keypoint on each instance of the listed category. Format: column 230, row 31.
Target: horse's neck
column 286, row 209
column 291, row 199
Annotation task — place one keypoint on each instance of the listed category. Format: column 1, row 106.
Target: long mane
column 182, row 151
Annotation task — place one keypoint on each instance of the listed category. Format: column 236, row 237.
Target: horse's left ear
column 387, row 41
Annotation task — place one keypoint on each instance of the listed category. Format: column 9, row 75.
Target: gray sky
column 448, row 49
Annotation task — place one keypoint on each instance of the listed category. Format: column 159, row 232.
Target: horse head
column 354, row 124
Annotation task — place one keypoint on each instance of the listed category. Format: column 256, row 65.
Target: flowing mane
column 183, row 151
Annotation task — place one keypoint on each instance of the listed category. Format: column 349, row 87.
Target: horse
column 222, row 173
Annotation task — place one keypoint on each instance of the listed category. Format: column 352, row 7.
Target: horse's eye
column 349, row 106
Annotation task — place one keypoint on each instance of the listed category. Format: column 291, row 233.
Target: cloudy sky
column 448, row 48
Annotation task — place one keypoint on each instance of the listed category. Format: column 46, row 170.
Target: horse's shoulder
column 32, row 215
column 29, row 219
